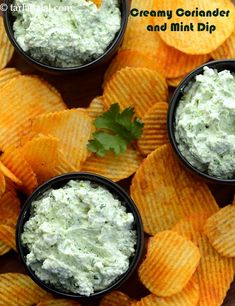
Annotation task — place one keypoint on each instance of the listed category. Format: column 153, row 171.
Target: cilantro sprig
column 115, row 131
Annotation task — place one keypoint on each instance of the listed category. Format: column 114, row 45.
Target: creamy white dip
column 65, row 33
column 205, row 123
column 80, row 238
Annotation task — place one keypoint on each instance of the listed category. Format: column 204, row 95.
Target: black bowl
column 116, row 190
column 109, row 53
column 178, row 94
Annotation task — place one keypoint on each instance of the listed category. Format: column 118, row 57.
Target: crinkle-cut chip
column 155, row 128
column 6, row 48
column 129, row 58
column 169, row 264
column 165, row 192
column 191, row 227
column 137, row 87
column 116, row 298
column 22, row 99
column 194, row 42
column 214, row 274
column 9, row 209
column 189, row 296
column 7, row 173
column 220, row 230
column 175, row 81
column 7, row 235
column 72, row 127
column 96, row 107
column 4, row 248
column 45, row 158
column 19, row 290
column 2, row 184
column 13, row 159
column 8, row 74
column 11, row 186
column 112, row 166
column 58, row 302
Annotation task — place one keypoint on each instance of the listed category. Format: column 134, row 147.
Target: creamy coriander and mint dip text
column 65, row 33
column 80, row 238
column 205, row 123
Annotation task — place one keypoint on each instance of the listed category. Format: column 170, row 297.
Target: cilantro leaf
column 115, row 130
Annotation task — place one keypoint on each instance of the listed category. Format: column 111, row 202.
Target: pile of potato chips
column 191, row 245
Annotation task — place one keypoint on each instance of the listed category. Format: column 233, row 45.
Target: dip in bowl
column 201, row 121
column 72, row 35
column 79, row 235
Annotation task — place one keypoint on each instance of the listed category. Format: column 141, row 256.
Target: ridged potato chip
column 19, row 290
column 4, row 248
column 7, row 235
column 165, row 192
column 45, row 158
column 189, row 296
column 6, row 48
column 22, row 99
column 116, row 298
column 58, row 302
column 169, row 264
column 137, row 87
column 9, row 209
column 96, row 107
column 8, row 74
column 2, row 184
column 7, row 173
column 72, row 127
column 175, row 82
column 13, row 159
column 129, row 58
column 220, row 230
column 215, row 275
column 195, row 41
column 155, row 128
column 112, row 166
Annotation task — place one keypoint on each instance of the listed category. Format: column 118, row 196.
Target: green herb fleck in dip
column 65, row 33
column 80, row 238
column 205, row 123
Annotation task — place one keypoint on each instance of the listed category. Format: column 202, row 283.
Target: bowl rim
column 174, row 101
column 113, row 188
column 124, row 8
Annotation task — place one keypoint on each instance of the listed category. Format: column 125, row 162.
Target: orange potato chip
column 98, row 3
column 58, row 302
column 189, row 296
column 169, row 264
column 10, row 186
column 114, row 167
column 72, row 127
column 2, row 184
column 116, row 298
column 175, row 81
column 179, row 33
column 9, row 209
column 19, row 290
column 96, row 108
column 6, row 48
column 155, row 128
column 45, row 158
column 6, row 172
column 8, row 74
column 13, row 159
column 4, row 248
column 7, row 236
column 164, row 192
column 129, row 58
column 137, row 87
column 220, row 229
column 22, row 99
column 215, row 275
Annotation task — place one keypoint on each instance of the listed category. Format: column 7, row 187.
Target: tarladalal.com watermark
column 35, row 8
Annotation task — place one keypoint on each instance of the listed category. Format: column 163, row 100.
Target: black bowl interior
column 178, row 94
column 9, row 20
column 116, row 190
